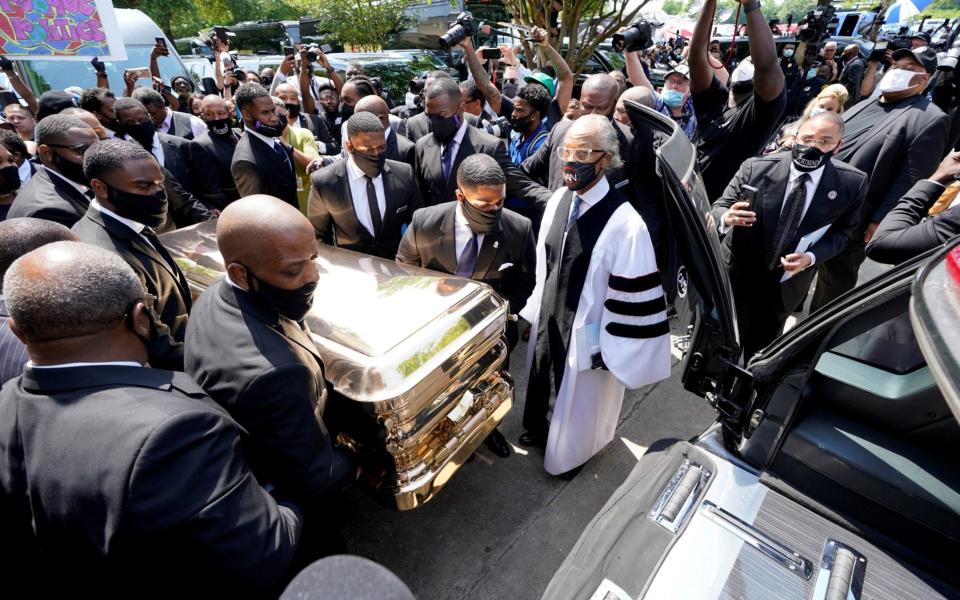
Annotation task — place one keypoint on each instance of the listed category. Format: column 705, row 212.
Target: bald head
column 22, row 235
column 268, row 237
column 599, row 95
column 287, row 94
column 640, row 95
column 68, row 289
column 213, row 108
column 377, row 106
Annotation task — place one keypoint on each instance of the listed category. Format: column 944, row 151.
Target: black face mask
column 266, row 81
column 809, row 158
column 445, row 128
column 292, row 304
column 271, row 130
column 480, row 221
column 9, row 179
column 293, row 109
column 520, row 123
column 346, row 111
column 142, row 133
column 218, row 126
column 148, row 209
column 510, row 90
column 371, row 166
column 578, row 175
column 71, row 170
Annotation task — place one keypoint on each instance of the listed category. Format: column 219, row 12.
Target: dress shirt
column 455, row 142
column 196, row 124
column 589, row 198
column 135, row 226
column 111, row 134
column 462, row 234
column 270, row 141
column 25, row 172
column 358, row 190
column 815, row 176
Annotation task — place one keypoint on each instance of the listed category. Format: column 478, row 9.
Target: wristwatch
column 749, row 8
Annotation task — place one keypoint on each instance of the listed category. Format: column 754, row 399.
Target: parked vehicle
column 415, row 396
column 138, row 32
column 831, row 469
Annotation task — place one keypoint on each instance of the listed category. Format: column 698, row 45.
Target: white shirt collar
column 168, row 120
column 463, row 232
column 136, row 227
column 110, row 133
column 458, row 138
column 815, row 174
column 109, row 363
column 595, row 194
column 266, row 140
column 355, row 173
column 80, row 188
column 24, row 171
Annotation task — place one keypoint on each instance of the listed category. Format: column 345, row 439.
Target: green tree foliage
column 674, row 7
column 361, row 24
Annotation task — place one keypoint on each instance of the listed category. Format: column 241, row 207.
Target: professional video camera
column 638, row 36
column 499, row 128
column 813, row 27
column 948, row 61
column 464, row 25
column 218, row 32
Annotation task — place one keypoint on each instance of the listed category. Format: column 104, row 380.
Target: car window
column 891, row 346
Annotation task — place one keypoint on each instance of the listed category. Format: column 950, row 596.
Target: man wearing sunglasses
column 59, row 191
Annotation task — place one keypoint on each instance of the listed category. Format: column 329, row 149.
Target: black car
column 830, row 471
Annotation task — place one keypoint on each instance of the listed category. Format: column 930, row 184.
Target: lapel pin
column 832, row 195
column 496, row 244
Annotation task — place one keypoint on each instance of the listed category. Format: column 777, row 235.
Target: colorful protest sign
column 60, row 30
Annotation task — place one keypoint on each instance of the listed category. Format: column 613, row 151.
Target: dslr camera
column 464, row 25
column 638, row 36
column 813, row 27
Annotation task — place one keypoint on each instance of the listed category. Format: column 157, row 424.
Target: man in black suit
column 249, row 349
column 451, row 140
column 130, row 204
column 927, row 216
column 167, row 121
column 398, row 147
column 216, row 146
column 112, row 475
column 326, row 145
column 475, row 237
column 362, row 203
column 262, row 164
column 17, row 237
column 896, row 139
column 197, row 175
column 58, row 192
column 418, row 126
column 99, row 102
column 806, row 210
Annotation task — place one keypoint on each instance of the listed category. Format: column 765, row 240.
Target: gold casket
column 414, row 360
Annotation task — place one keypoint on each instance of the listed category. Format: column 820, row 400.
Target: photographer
column 502, row 105
column 305, row 78
column 735, row 123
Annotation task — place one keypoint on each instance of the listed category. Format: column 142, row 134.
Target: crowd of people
column 140, row 427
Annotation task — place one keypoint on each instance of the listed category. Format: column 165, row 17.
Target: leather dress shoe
column 497, row 444
column 532, row 439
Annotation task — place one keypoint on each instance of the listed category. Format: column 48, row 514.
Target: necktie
column 789, row 221
column 574, row 212
column 374, row 206
column 151, row 236
column 447, row 159
column 280, row 151
column 468, row 258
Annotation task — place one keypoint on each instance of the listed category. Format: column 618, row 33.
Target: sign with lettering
column 60, row 30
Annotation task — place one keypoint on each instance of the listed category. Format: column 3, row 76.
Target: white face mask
column 816, row 110
column 788, row 53
column 896, row 80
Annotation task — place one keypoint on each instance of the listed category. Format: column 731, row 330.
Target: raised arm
column 698, row 59
column 325, row 63
column 306, row 95
column 635, row 72
column 560, row 67
column 768, row 79
column 23, row 89
column 480, row 76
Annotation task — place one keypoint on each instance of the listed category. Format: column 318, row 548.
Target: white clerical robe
column 587, row 407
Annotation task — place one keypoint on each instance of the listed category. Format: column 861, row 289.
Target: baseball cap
column 922, row 35
column 5, row 124
column 52, row 102
column 925, row 56
column 543, row 79
column 743, row 72
column 681, row 69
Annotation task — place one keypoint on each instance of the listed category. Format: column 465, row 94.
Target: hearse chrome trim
column 758, row 540
column 841, row 572
column 679, row 497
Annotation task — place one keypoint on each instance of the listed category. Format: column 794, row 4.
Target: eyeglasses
column 511, row 81
column 578, row 154
column 824, row 145
column 80, row 149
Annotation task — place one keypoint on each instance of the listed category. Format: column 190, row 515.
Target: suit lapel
column 772, row 192
column 882, row 126
column 391, row 198
column 135, row 240
column 448, row 245
column 820, row 205
column 489, row 251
